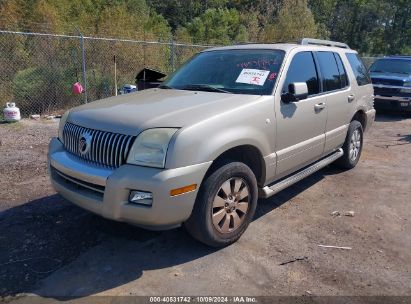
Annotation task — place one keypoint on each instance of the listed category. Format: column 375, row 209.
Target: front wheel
column 225, row 205
column 352, row 146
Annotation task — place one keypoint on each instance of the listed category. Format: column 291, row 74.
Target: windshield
column 229, row 71
column 397, row 66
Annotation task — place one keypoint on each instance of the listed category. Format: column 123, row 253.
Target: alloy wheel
column 355, row 145
column 230, row 205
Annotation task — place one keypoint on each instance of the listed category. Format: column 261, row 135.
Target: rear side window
column 302, row 69
column 329, row 71
column 359, row 69
column 341, row 69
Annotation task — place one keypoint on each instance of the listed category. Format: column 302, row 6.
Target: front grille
column 100, row 147
column 391, row 82
column 385, row 91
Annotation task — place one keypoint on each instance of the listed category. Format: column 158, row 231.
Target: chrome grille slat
column 65, row 136
column 71, row 138
column 72, row 133
column 123, row 140
column 114, row 147
column 120, row 139
column 77, row 133
column 91, row 156
column 94, row 145
column 99, row 147
column 68, row 137
column 110, row 139
column 107, row 149
column 100, row 152
column 88, row 155
column 105, row 143
column 126, row 149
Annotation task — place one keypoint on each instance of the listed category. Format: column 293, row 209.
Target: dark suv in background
column 391, row 77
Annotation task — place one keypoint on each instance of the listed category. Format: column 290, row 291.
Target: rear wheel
column 352, row 146
column 225, row 205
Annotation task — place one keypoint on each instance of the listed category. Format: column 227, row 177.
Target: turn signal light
column 183, row 190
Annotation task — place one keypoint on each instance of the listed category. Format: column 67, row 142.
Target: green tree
column 294, row 21
column 370, row 26
column 217, row 26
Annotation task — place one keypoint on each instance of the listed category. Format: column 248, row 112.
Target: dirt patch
column 23, row 162
column 51, row 248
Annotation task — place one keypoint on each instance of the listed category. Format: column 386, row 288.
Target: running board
column 268, row 191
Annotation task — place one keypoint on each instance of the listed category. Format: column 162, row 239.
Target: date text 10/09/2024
column 203, row 299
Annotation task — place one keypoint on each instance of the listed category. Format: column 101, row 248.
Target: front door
column 300, row 125
column 339, row 97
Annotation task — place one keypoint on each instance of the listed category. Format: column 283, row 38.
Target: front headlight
column 63, row 120
column 150, row 147
column 407, row 87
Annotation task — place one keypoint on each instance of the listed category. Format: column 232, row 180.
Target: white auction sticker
column 253, row 76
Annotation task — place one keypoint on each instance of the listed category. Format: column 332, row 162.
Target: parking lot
column 51, row 248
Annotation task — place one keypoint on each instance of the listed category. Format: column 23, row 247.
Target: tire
column 225, row 205
column 352, row 146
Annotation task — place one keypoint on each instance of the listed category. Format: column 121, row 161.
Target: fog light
column 140, row 197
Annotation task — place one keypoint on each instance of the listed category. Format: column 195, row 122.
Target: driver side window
column 302, row 69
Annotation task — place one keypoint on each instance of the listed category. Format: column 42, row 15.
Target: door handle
column 351, row 98
column 319, row 106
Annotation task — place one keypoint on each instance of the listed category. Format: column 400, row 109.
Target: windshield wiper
column 390, row 72
column 164, row 86
column 203, row 87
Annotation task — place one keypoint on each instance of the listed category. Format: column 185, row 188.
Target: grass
column 15, row 125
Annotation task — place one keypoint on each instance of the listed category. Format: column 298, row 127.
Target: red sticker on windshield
column 272, row 76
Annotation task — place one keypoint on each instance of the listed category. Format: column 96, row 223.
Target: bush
column 39, row 90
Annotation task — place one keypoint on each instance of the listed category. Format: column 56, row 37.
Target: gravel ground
column 50, row 248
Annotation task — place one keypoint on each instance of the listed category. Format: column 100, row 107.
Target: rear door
column 361, row 86
column 300, row 125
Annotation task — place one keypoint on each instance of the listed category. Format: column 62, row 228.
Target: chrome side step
column 268, row 191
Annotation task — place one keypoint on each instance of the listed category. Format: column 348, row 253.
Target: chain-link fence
column 37, row 71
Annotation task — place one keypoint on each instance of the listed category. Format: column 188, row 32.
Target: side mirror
column 296, row 91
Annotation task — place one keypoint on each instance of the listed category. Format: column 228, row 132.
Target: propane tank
column 11, row 112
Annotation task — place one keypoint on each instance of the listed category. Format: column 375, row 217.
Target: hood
column 390, row 78
column 131, row 113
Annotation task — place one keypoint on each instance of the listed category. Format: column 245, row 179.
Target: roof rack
column 307, row 41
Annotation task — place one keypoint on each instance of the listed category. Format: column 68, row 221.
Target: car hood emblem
column 84, row 143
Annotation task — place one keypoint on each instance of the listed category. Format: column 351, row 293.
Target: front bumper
column 106, row 191
column 393, row 103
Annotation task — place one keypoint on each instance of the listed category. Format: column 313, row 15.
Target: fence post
column 115, row 75
column 172, row 51
column 83, row 55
